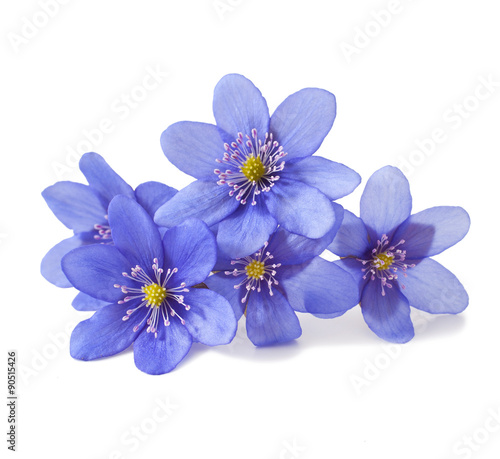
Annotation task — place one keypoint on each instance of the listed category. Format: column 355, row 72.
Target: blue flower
column 387, row 251
column 84, row 209
column 254, row 171
column 284, row 276
column 148, row 279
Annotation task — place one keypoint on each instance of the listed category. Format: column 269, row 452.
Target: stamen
column 160, row 300
column 256, row 271
column 252, row 164
column 103, row 232
column 385, row 263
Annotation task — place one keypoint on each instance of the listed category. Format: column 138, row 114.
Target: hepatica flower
column 387, row 251
column 84, row 209
column 148, row 282
column 254, row 171
column 284, row 276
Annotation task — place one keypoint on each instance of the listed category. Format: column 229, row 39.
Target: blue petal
column 429, row 286
column 433, row 230
column 83, row 302
column 386, row 201
column 160, row 355
column 329, row 316
column 193, row 148
column 333, row 179
column 210, row 319
column 318, row 287
column 240, row 107
column 152, row 195
column 95, row 269
column 223, row 261
column 189, row 247
column 204, row 200
column 76, row 205
column 246, row 230
column 302, row 121
column 105, row 333
column 224, row 285
column 271, row 319
column 387, row 316
column 352, row 238
column 300, row 208
column 291, row 249
column 354, row 268
column 51, row 263
column 134, row 233
column 102, row 179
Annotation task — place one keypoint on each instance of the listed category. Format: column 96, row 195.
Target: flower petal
column 240, row 107
column 386, row 201
column 204, row 200
column 189, row 247
column 84, row 302
column 105, row 333
column 134, row 233
column 354, row 268
column 330, row 316
column 95, row 269
column 271, row 319
column 193, row 148
column 102, row 179
column 210, row 319
column 302, row 121
column 51, row 262
column 76, row 205
column 430, row 287
column 300, row 208
column 223, row 260
column 160, row 355
column 318, row 287
column 387, row 316
column 246, row 230
column 152, row 195
column 224, row 285
column 433, row 230
column 291, row 249
column 333, row 179
column 352, row 238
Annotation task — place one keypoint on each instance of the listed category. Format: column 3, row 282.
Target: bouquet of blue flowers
column 163, row 268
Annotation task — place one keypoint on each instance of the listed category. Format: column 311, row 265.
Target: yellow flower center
column 155, row 294
column 383, row 261
column 253, row 169
column 255, row 269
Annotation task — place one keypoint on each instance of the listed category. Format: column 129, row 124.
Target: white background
column 338, row 391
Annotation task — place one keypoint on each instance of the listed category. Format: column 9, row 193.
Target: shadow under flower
column 436, row 326
column 242, row 347
column 346, row 330
column 350, row 329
